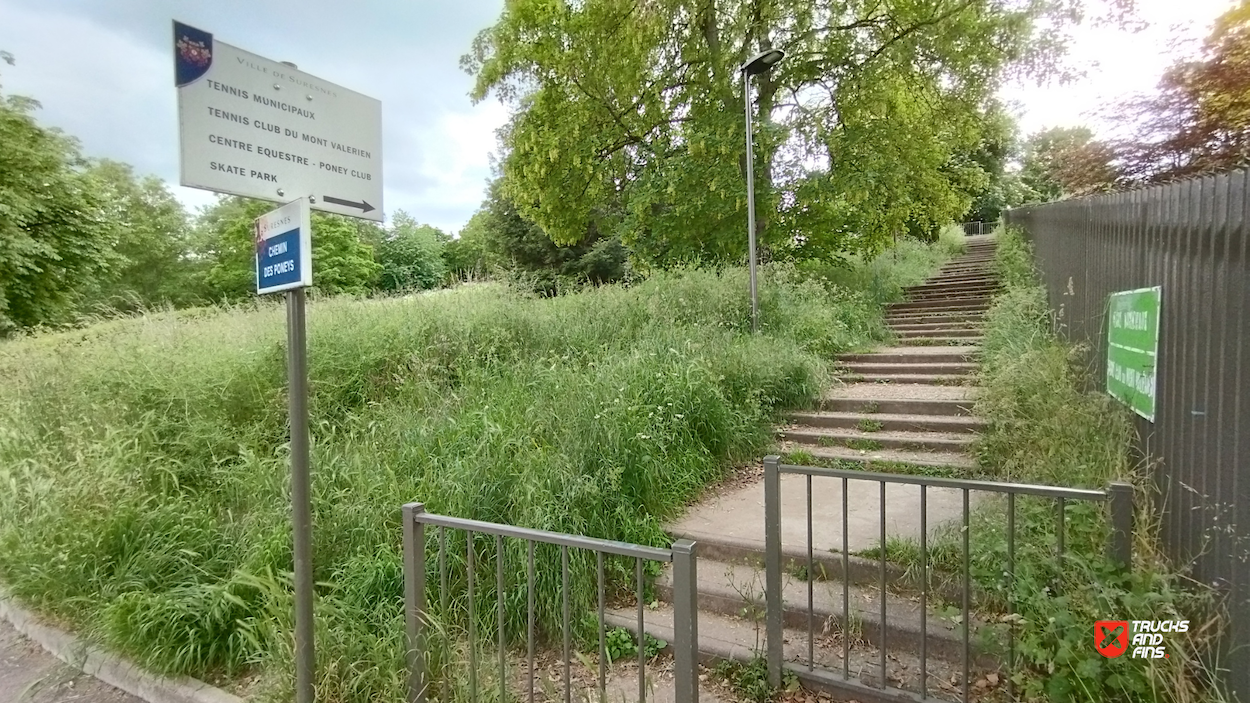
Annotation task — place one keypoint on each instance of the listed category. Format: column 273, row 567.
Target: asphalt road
column 28, row 674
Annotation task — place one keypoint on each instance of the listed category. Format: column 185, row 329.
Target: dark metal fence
column 462, row 624
column 1118, row 496
column 1190, row 238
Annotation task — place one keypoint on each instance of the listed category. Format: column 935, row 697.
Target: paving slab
column 872, row 460
column 723, row 637
column 738, row 514
column 885, row 353
column 924, row 440
column 889, row 421
column 28, row 674
column 902, row 391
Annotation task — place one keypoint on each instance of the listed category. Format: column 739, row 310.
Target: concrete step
column 949, row 297
column 959, row 280
column 731, row 589
column 914, row 355
column 941, row 305
column 939, row 341
column 944, row 331
column 974, row 316
column 965, row 278
column 915, row 379
column 962, row 279
column 939, row 308
column 937, row 325
column 884, row 457
column 969, row 304
column 924, row 366
column 858, row 677
column 971, row 290
column 953, row 289
column 900, row 399
column 889, row 422
column 876, row 441
column 964, row 272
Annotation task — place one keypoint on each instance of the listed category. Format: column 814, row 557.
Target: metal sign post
column 301, row 495
column 258, row 128
column 283, row 240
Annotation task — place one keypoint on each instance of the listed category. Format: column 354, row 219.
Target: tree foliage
column 468, row 256
column 1199, row 119
column 55, row 235
column 410, row 255
column 514, row 242
column 629, row 116
column 1067, row 162
column 997, row 156
column 342, row 261
column 151, row 240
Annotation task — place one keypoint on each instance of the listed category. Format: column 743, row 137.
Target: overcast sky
column 103, row 71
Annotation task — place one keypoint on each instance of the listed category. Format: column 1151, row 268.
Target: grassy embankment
column 145, row 474
column 1045, row 429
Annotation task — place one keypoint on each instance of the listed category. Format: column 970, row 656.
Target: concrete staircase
column 910, row 403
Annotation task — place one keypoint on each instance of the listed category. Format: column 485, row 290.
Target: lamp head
column 762, row 61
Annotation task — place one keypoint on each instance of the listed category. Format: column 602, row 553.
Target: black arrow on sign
column 363, row 205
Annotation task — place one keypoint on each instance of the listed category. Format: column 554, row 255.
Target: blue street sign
column 284, row 248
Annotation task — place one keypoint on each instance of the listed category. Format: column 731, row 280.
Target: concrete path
column 909, row 403
column 737, row 516
column 28, row 674
column 905, row 407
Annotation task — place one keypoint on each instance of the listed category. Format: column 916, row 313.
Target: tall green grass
column 1045, row 429
column 144, row 465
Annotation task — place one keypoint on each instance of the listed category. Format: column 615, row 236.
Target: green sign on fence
column 1133, row 348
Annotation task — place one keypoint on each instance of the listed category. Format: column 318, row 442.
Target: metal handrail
column 938, row 482
column 982, row 228
column 1119, row 497
column 625, row 549
column 682, row 556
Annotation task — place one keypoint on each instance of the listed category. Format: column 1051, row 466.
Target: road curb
column 111, row 668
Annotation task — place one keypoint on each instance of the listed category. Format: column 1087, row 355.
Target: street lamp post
column 757, row 64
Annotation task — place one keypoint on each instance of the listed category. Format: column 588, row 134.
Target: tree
column 1199, row 121
column 55, row 235
column 518, row 244
column 467, row 256
column 152, row 240
column 628, row 116
column 1067, row 162
column 342, row 262
column 1004, row 188
column 411, row 255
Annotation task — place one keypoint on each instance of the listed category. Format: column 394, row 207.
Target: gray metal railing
column 1119, row 496
column 417, row 616
column 978, row 228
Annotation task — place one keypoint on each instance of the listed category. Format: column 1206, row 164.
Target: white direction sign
column 262, row 129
